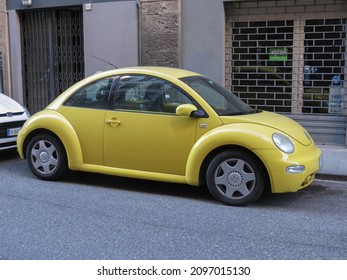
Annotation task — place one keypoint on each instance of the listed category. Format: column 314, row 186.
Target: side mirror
column 189, row 110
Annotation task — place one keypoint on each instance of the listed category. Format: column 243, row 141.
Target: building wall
column 312, row 33
column 110, row 34
column 4, row 49
column 125, row 27
column 259, row 14
column 203, row 37
column 117, row 43
column 206, row 43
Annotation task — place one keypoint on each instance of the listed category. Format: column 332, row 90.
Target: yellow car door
column 85, row 110
column 142, row 132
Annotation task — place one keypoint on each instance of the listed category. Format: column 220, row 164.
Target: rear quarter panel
column 53, row 122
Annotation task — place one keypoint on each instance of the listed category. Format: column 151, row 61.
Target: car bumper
column 8, row 143
column 291, row 173
column 9, row 131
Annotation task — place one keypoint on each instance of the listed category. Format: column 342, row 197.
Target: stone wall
column 160, row 32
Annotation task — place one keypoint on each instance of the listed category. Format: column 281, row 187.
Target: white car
column 12, row 117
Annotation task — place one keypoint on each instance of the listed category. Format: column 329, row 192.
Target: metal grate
column 287, row 66
column 52, row 54
column 324, row 59
column 67, row 48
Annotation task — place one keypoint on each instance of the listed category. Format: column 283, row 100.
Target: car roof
column 152, row 70
column 168, row 73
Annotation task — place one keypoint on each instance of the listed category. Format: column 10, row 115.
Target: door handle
column 113, row 122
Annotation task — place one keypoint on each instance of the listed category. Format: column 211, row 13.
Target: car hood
column 276, row 121
column 8, row 105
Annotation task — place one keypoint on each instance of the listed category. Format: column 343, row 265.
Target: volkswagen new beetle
column 169, row 125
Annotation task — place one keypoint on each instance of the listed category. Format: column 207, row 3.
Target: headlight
column 283, row 143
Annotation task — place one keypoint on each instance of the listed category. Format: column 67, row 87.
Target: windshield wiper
column 253, row 111
column 233, row 114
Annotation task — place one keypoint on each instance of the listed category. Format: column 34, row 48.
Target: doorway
column 53, row 57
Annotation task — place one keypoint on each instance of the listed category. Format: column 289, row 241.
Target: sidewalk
column 334, row 161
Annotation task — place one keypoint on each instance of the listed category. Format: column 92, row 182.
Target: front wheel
column 46, row 157
column 235, row 178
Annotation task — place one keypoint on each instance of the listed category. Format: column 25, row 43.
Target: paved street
column 89, row 216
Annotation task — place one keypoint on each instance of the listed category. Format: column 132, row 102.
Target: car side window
column 149, row 94
column 94, row 95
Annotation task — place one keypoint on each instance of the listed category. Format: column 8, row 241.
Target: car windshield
column 224, row 102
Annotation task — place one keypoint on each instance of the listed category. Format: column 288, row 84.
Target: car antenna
column 105, row 61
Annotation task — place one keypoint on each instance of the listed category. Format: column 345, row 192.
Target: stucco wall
column 203, row 37
column 4, row 47
column 111, row 34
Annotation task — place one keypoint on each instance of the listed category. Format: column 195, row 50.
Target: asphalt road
column 89, row 216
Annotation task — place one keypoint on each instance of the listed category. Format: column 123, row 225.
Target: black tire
column 46, row 157
column 235, row 178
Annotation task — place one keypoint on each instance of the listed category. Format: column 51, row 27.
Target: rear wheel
column 46, row 157
column 235, row 178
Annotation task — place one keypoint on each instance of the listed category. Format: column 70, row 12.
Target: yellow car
column 169, row 125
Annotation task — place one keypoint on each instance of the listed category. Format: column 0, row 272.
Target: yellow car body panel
column 258, row 140
column 241, row 135
column 55, row 123
column 89, row 129
column 276, row 163
column 149, row 142
column 276, row 121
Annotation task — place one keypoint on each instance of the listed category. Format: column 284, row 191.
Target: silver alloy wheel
column 44, row 157
column 235, row 178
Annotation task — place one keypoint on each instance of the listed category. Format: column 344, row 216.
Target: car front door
column 142, row 131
